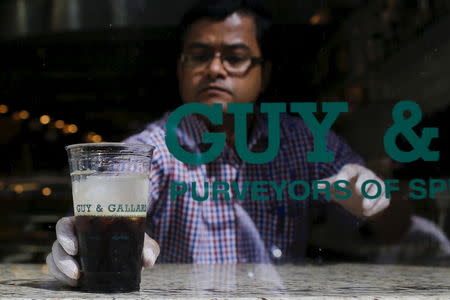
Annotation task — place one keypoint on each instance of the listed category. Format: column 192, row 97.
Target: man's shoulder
column 154, row 134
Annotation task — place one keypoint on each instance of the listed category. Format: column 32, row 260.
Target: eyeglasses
column 234, row 64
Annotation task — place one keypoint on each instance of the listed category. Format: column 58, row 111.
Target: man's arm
column 346, row 226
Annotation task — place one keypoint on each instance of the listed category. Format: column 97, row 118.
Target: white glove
column 65, row 268
column 357, row 204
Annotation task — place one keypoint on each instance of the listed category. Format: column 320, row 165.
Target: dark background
column 108, row 67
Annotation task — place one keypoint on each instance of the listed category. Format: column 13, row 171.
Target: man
column 223, row 61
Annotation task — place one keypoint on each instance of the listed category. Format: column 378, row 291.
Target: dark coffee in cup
column 110, row 250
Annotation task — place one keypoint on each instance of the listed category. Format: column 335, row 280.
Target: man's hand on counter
column 61, row 262
column 357, row 204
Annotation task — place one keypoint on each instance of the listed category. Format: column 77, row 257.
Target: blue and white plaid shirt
column 221, row 231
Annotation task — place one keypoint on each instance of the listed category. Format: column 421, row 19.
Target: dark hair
column 221, row 9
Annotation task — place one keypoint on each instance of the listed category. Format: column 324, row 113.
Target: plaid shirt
column 221, row 231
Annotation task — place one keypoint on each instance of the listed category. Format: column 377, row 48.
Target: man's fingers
column 370, row 189
column 65, row 263
column 55, row 272
column 347, row 173
column 65, row 233
column 60, row 263
column 330, row 180
column 362, row 179
column 380, row 204
column 350, row 171
column 357, row 175
column 150, row 252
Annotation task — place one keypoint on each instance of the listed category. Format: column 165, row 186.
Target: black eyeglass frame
column 254, row 60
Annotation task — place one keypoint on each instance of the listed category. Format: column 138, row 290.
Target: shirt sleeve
column 343, row 155
column 332, row 225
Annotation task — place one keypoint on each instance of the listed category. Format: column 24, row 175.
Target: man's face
column 235, row 35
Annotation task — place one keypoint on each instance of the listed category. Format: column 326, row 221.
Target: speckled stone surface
column 247, row 281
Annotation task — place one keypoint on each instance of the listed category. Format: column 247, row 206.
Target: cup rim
column 145, row 147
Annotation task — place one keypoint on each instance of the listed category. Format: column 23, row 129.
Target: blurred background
column 75, row 71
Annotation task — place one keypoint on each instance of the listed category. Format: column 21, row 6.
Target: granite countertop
column 247, row 281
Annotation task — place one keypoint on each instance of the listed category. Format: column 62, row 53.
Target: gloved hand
column 357, row 204
column 61, row 263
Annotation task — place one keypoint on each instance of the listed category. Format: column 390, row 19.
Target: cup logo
column 111, row 196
